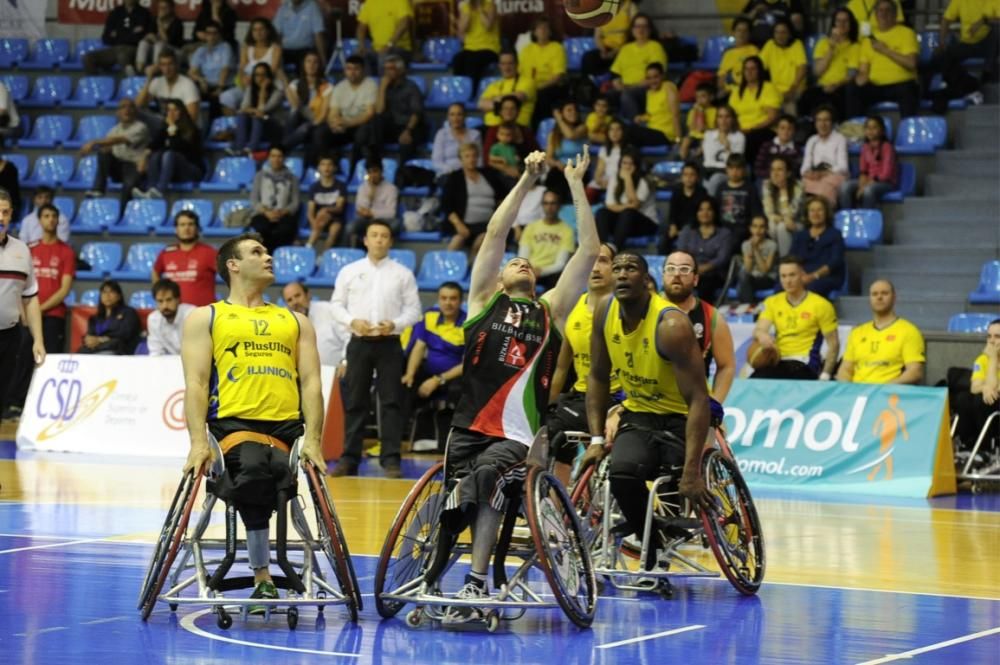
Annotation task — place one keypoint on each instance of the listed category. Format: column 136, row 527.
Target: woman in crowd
column 730, row 73
column 824, row 160
column 524, row 138
column 479, row 30
column 544, row 62
column 567, row 139
column 782, row 196
column 174, row 155
column 757, row 104
column 835, row 63
column 114, row 329
column 879, row 169
column 307, row 102
column 642, row 48
column 607, row 160
column 449, row 140
column 821, row 248
column 759, row 268
column 629, row 206
column 784, row 57
column 726, row 139
column 470, row 197
column 711, row 246
column 256, row 124
column 262, row 45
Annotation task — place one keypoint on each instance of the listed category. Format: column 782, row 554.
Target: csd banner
column 843, row 437
column 109, row 405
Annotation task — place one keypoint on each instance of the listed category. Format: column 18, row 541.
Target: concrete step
column 943, row 231
column 952, row 184
column 978, row 137
column 934, row 259
column 991, row 93
column 983, row 163
column 983, row 206
column 925, row 313
column 914, row 284
column 984, row 115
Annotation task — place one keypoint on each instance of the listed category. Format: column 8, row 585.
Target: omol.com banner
column 865, row 439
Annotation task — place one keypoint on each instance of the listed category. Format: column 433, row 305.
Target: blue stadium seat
column 921, row 136
column 231, row 174
column 974, row 322
column 671, row 170
column 92, row 92
column 129, row 87
column 419, row 236
column 17, row 86
column 295, row 165
column 406, row 257
column 141, row 299
column 907, row 184
column 65, row 205
column 441, row 266
column 95, row 215
column 420, row 82
column 224, row 123
column 483, row 84
column 83, row 176
column 103, row 257
column 91, row 127
column 293, row 264
column 330, row 264
column 655, row 263
column 929, row 41
column 217, row 228
column 48, row 132
column 139, row 262
column 51, row 170
column 48, row 91
column 90, row 297
column 349, row 46
column 12, row 51
column 543, row 131
column 438, row 52
column 861, row 228
column 311, row 176
column 389, row 166
column 419, row 191
column 82, row 47
column 988, row 291
column 141, row 216
column 70, row 299
column 200, row 207
column 711, row 54
column 20, row 162
column 447, row 90
column 47, row 54
column 575, row 48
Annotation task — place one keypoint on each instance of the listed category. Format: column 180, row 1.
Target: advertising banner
column 22, row 18
column 842, row 437
column 109, row 405
column 96, row 11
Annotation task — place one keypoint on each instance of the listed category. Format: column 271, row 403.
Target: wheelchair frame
column 411, row 563
column 988, row 471
column 305, row 580
column 742, row 563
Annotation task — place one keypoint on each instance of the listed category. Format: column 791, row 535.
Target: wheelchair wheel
column 563, row 554
column 169, row 542
column 732, row 527
column 409, row 546
column 332, row 538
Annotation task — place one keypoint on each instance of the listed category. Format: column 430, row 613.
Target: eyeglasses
column 677, row 270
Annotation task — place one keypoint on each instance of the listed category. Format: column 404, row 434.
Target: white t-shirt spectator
column 715, row 154
column 353, row 101
column 164, row 337
column 31, row 228
column 647, row 204
column 182, row 88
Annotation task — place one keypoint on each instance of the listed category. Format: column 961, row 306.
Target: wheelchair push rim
column 334, row 544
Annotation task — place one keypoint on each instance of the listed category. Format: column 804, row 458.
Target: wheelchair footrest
column 248, row 582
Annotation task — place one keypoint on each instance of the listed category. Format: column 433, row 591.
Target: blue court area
column 70, row 572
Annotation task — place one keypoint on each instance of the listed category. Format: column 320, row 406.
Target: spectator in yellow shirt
column 479, row 30
column 388, row 23
column 609, row 39
column 979, row 37
column 642, row 49
column 700, row 119
column 598, row 121
column 543, row 61
column 509, row 83
column 757, row 104
column 548, row 242
column 983, row 398
column 784, row 57
column 660, row 124
column 887, row 349
column 887, row 69
column 835, row 64
column 730, row 72
column 864, row 13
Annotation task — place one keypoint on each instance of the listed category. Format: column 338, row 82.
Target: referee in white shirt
column 17, row 287
column 377, row 299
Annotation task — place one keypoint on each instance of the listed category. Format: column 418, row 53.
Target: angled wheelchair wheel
column 169, row 542
column 563, row 553
column 334, row 544
column 409, row 545
column 732, row 527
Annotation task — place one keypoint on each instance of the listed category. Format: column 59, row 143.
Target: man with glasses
column 509, row 84
column 548, row 242
column 680, row 277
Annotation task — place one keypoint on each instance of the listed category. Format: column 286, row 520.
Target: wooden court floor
column 858, row 581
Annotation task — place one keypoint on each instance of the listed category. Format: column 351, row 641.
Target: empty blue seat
column 141, row 299
column 575, row 48
column 48, row 132
column 91, row 128
column 220, row 126
column 295, row 165
column 861, row 228
column 388, row 173
column 544, row 129
column 82, row 48
column 438, row 52
column 311, row 176
column 711, row 54
column 655, row 263
column 447, row 90
column 141, row 216
column 92, row 92
column 47, row 54
column 48, row 91
column 12, row 51
column 929, row 41
column 483, row 84
column 200, row 207
column 217, row 228
column 441, row 266
column 96, row 215
column 405, row 257
column 103, row 257
column 974, row 322
column 670, row 171
column 921, row 136
column 331, row 263
column 420, row 82
column 129, row 87
column 70, row 299
column 17, row 86
column 65, row 205
column 90, row 297
column 139, row 262
column 988, row 291
column 231, row 174
column 51, row 170
column 907, row 184
column 293, row 264
column 20, row 162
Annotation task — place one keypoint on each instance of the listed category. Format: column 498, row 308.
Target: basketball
column 592, row 13
column 760, row 357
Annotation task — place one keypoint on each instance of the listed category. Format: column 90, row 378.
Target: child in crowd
column 377, row 199
column 700, row 119
column 783, row 145
column 503, row 154
column 759, row 268
column 598, row 121
column 607, row 161
column 737, row 199
column 878, row 169
column 327, row 201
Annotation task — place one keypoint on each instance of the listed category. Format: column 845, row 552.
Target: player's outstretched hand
column 534, row 163
column 576, row 171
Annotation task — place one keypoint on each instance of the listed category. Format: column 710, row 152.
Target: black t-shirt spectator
column 127, row 28
column 326, row 197
column 684, row 208
column 228, row 16
column 737, row 206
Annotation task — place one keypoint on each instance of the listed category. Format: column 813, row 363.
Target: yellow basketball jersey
column 645, row 374
column 254, row 373
column 579, row 325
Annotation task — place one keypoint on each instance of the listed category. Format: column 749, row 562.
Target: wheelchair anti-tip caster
column 293, row 618
column 414, row 618
column 173, row 607
column 492, row 621
column 223, row 621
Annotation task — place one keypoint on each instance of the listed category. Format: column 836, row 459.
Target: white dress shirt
column 31, row 228
column 331, row 336
column 373, row 292
column 831, row 151
column 164, row 337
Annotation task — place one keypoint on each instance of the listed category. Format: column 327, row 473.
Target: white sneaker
column 139, row 194
column 466, row 613
column 154, row 193
column 93, row 194
column 975, row 98
column 424, row 445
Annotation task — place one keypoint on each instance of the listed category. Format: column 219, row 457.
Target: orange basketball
column 592, row 13
column 760, row 357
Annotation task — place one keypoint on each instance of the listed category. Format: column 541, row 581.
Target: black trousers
column 124, row 172
column 474, row 64
column 54, row 332
column 861, row 98
column 10, row 345
column 593, row 64
column 972, row 415
column 323, row 141
column 364, row 357
column 786, row 369
column 445, row 397
column 373, row 136
column 619, row 226
column 275, row 234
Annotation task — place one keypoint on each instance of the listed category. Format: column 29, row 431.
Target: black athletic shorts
column 482, row 469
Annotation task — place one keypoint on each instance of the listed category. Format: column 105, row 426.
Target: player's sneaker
column 473, row 590
column 266, row 591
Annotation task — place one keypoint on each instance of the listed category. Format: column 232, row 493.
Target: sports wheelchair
column 731, row 529
column 540, row 527
column 305, row 580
